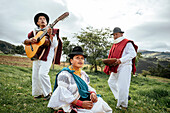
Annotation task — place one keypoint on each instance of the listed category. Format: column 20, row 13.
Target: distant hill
column 9, row 48
column 155, row 54
column 6, row 47
column 152, row 59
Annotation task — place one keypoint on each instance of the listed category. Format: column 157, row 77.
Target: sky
column 146, row 22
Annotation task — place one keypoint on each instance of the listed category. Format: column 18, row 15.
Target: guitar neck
column 44, row 33
column 59, row 18
column 52, row 25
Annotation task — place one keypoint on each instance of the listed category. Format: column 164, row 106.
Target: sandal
column 38, row 97
column 47, row 97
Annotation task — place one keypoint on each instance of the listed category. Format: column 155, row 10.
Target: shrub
column 154, row 93
column 145, row 73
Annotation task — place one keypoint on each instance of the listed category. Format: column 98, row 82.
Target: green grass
column 148, row 95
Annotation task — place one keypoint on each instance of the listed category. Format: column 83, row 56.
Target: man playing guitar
column 42, row 61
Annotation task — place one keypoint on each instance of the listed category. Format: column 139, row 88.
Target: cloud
column 153, row 46
column 145, row 22
column 154, row 34
column 17, row 19
column 151, row 28
column 151, row 31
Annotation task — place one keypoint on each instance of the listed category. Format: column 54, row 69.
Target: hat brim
column 77, row 53
column 117, row 32
column 38, row 15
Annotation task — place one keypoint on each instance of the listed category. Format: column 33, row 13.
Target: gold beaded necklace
column 77, row 72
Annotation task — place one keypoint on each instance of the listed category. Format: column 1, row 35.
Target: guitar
column 32, row 49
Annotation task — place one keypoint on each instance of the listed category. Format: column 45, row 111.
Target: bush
column 160, row 71
column 145, row 73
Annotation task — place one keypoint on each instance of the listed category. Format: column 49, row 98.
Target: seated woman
column 72, row 92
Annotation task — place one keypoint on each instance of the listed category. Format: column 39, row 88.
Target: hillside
column 9, row 48
column 155, row 54
column 6, row 47
column 152, row 59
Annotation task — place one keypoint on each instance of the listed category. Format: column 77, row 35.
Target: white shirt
column 128, row 53
column 67, row 91
column 54, row 44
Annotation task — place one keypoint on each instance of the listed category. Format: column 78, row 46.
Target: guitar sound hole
column 38, row 39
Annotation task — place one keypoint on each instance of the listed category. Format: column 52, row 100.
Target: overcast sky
column 146, row 22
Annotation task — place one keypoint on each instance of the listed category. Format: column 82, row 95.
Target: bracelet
column 92, row 92
column 79, row 103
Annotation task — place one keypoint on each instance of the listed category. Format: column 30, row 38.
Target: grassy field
column 149, row 94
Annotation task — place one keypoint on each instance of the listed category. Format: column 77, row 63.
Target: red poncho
column 116, row 52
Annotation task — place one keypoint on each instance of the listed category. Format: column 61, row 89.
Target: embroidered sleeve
column 66, row 80
column 63, row 79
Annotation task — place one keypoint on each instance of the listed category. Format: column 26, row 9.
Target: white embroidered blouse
column 67, row 91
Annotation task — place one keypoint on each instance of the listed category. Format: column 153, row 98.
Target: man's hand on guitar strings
column 33, row 40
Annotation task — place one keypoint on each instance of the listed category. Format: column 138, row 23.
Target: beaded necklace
column 77, row 72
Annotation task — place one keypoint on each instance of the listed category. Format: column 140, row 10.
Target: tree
column 160, row 71
column 67, row 46
column 95, row 43
column 19, row 49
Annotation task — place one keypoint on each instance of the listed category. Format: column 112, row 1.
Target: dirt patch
column 15, row 61
column 20, row 61
column 160, row 79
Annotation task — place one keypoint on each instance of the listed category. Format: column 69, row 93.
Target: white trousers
column 41, row 84
column 119, row 84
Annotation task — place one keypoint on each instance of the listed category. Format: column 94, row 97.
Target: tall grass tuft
column 154, row 92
